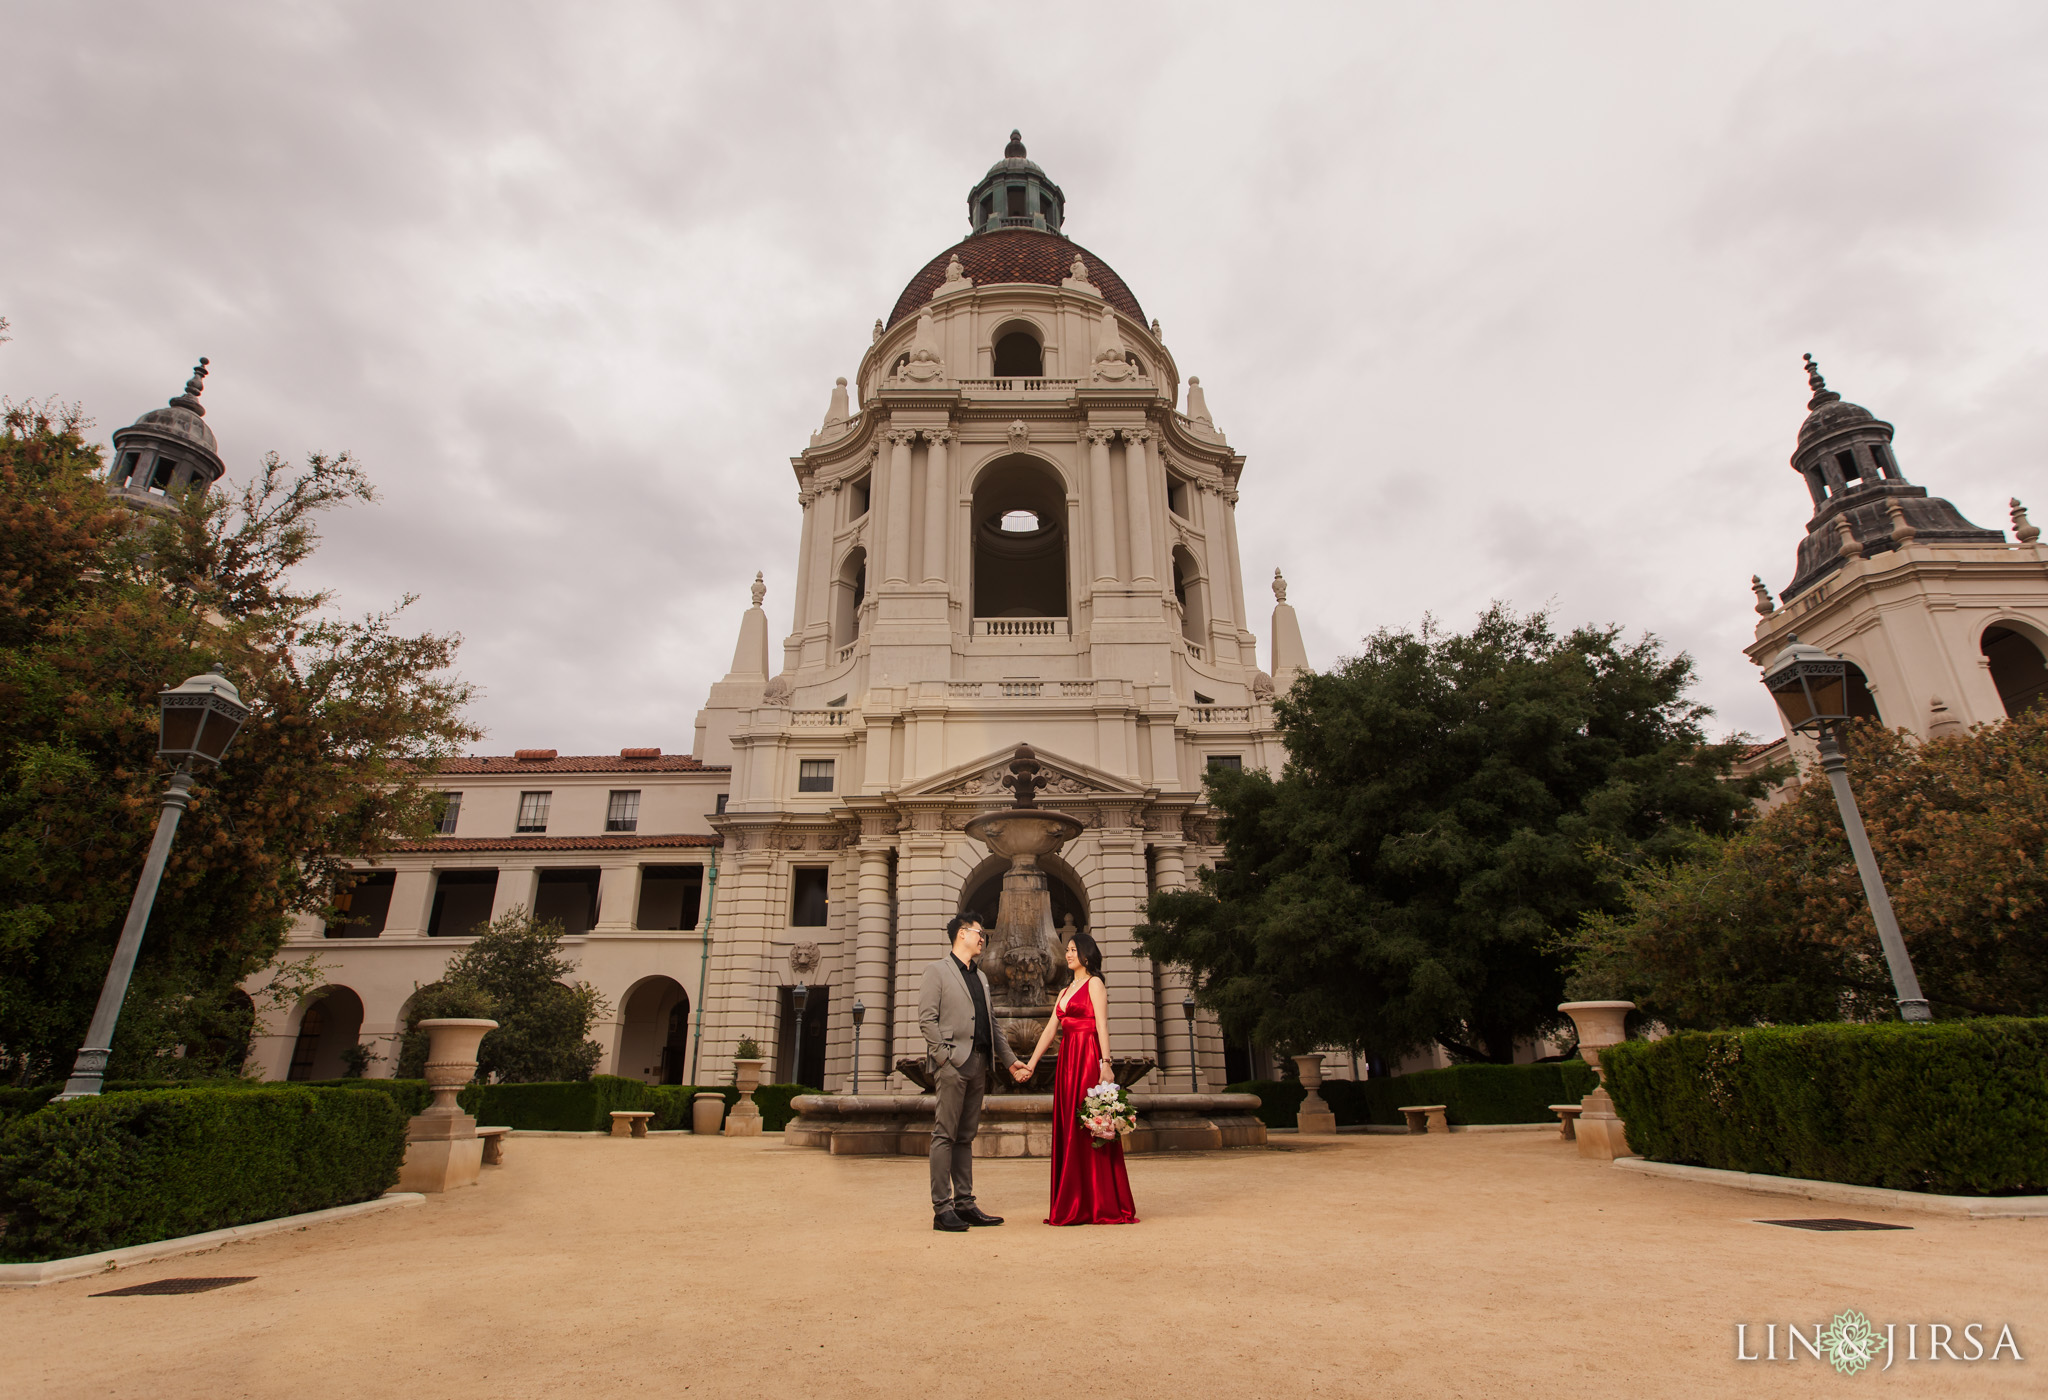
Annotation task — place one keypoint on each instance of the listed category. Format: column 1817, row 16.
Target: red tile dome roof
column 1017, row 255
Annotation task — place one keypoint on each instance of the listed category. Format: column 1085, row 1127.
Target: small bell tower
column 167, row 451
column 1015, row 194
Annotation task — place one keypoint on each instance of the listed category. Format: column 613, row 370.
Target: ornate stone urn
column 442, row 1150
column 745, row 1118
column 707, row 1111
column 1315, row 1115
column 1601, row 1133
column 1025, row 956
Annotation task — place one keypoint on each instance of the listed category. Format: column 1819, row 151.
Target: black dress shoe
column 949, row 1220
column 975, row 1215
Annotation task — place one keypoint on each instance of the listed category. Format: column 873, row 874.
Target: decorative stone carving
column 759, row 590
column 778, row 692
column 1279, row 587
column 831, row 843
column 937, row 437
column 926, row 362
column 2023, row 529
column 956, row 278
column 1019, row 433
column 876, row 339
column 1764, row 606
column 1262, row 686
column 804, row 959
column 1112, row 359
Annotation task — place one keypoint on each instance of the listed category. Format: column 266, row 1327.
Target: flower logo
column 1851, row 1343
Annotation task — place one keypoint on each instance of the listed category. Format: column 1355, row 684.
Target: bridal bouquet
column 1105, row 1112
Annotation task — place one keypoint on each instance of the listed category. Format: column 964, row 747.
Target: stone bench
column 1424, row 1117
column 631, row 1122
column 1567, row 1116
column 494, row 1145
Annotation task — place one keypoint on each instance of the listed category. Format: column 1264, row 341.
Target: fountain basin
column 1024, row 831
column 1016, row 1125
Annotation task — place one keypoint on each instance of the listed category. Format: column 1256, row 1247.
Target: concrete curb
column 1874, row 1197
column 107, row 1260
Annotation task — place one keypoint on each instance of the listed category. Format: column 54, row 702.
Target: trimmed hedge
column 411, row 1095
column 1469, row 1093
column 1955, row 1107
column 14, row 1103
column 586, row 1106
column 130, row 1168
column 773, row 1101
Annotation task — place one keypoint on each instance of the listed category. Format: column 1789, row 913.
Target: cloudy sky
column 1500, row 301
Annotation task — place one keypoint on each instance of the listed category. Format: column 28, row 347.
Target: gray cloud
column 1500, row 302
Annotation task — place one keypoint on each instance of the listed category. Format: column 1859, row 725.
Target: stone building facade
column 1014, row 528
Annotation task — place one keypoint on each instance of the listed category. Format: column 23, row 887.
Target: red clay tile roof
column 1754, row 750
column 630, row 841
column 1017, row 255
column 589, row 763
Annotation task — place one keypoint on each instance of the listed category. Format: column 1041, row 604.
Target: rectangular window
column 814, row 775
column 361, row 909
column 807, row 900
column 857, row 503
column 1228, row 762
column 569, row 897
column 671, row 897
column 126, row 469
column 1847, row 462
column 988, row 206
column 1017, row 209
column 451, row 809
column 462, row 902
column 533, row 811
column 1177, row 496
column 160, row 479
column 720, row 809
column 623, row 812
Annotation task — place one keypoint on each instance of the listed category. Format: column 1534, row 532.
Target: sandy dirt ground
column 1480, row 1264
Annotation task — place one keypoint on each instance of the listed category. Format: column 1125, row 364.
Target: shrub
column 411, row 1095
column 129, row 1168
column 1957, row 1107
column 773, row 1101
column 1469, row 1094
column 16, row 1102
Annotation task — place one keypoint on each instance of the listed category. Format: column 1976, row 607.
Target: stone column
column 802, row 609
column 935, row 513
column 896, row 545
column 871, row 961
column 517, row 889
column 1101, row 506
column 1138, row 476
column 1170, row 872
column 1226, row 499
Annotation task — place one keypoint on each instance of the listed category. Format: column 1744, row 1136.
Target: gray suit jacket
column 945, row 1013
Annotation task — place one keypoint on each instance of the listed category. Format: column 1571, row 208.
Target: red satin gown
column 1089, row 1186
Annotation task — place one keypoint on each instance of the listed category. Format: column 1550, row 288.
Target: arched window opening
column 1018, row 353
column 1020, row 541
column 328, row 1032
column 896, row 369
column 1131, row 359
column 2017, row 669
column 654, row 1028
column 849, row 591
column 1190, row 591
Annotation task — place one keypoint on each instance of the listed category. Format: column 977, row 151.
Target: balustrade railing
column 1195, row 649
column 1220, row 714
column 817, row 719
column 1019, row 626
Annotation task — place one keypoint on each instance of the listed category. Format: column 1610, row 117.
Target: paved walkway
column 1481, row 1264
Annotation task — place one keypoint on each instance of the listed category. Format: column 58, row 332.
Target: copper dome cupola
column 1015, row 194
column 168, row 450
column 1862, row 502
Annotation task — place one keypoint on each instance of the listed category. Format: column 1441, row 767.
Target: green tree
column 513, row 973
column 100, row 609
column 1436, row 828
column 1770, row 926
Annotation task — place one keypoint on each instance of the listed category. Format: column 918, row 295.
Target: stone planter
column 707, row 1112
column 442, row 1150
column 1315, row 1115
column 745, row 1118
column 1600, row 1132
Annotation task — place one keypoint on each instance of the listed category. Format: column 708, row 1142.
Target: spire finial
column 1764, row 606
column 2023, row 529
column 1821, row 392
column 1279, row 587
column 193, row 388
column 760, row 590
column 1015, row 150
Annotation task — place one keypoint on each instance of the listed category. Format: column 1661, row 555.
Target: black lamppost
column 200, row 718
column 1187, row 1010
column 860, row 1013
column 1812, row 690
column 798, row 995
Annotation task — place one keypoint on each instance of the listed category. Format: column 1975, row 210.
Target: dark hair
column 1091, row 956
column 958, row 922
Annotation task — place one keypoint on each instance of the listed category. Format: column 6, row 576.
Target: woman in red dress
column 1089, row 1186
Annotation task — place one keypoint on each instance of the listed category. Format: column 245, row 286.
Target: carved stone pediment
column 981, row 781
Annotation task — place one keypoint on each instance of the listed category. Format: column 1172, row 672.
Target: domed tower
column 167, row 451
column 1012, row 534
column 1944, row 622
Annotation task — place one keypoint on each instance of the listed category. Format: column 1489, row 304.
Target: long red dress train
column 1089, row 1186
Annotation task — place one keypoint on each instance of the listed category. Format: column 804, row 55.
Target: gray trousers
column 960, row 1093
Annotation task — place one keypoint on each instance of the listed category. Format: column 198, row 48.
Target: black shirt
column 982, row 1041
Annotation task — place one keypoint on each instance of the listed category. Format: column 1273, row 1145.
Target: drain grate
column 1833, row 1224
column 173, row 1285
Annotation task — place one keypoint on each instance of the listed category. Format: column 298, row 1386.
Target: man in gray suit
column 960, row 1038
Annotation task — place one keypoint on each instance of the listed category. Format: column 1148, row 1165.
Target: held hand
column 1108, row 1073
column 1019, row 1073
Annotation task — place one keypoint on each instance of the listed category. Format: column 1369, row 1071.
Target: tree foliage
column 1771, row 926
column 100, row 609
column 513, row 973
column 1436, row 828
